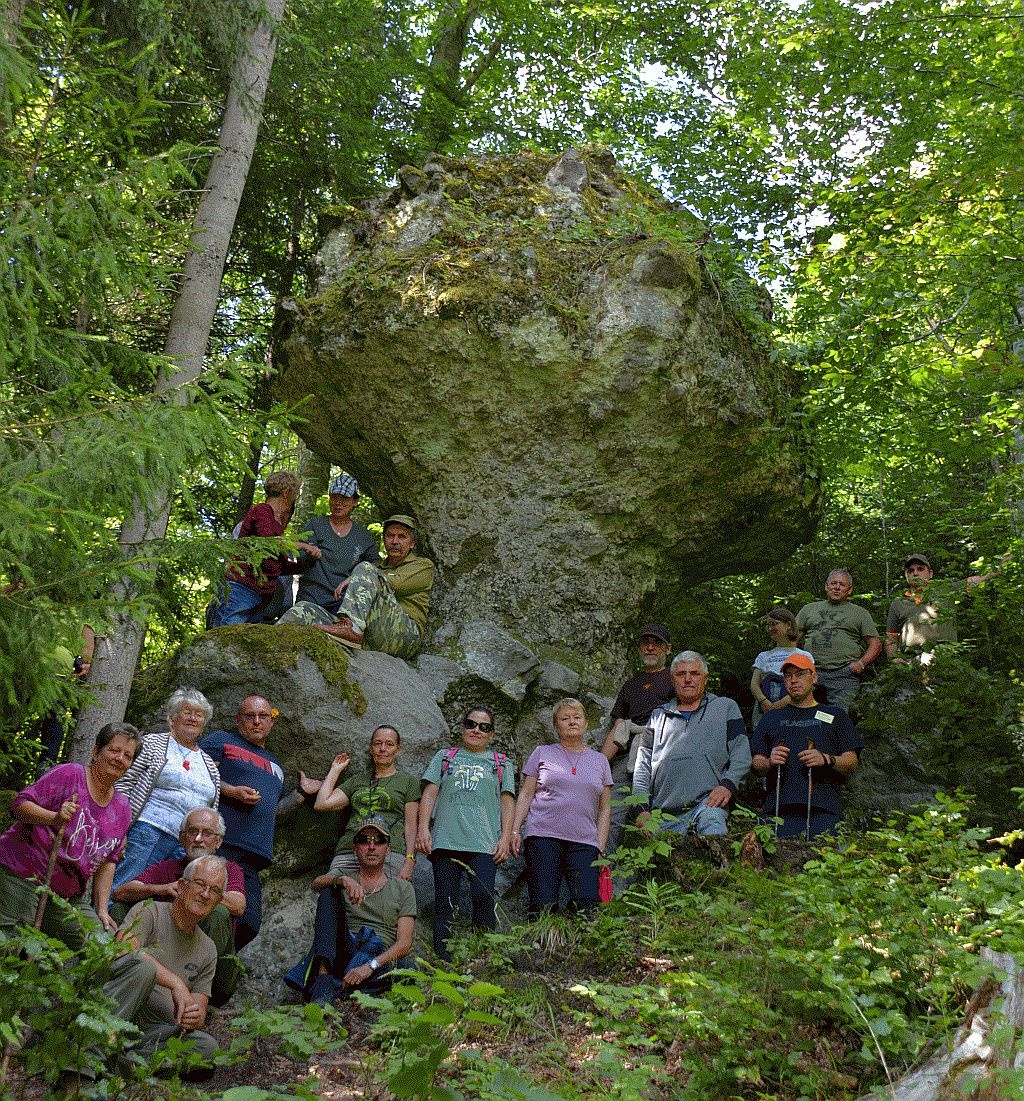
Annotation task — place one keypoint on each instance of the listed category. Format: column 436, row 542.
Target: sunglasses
column 369, row 839
column 472, row 724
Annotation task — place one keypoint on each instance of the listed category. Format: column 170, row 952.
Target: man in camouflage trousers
column 384, row 607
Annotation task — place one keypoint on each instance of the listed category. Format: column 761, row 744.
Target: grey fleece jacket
column 680, row 760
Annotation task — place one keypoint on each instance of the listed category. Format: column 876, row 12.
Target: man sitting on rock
column 185, row 959
column 364, row 924
column 693, row 754
column 201, row 834
column 384, row 607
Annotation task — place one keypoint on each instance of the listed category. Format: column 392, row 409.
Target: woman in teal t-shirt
column 470, row 792
column 380, row 790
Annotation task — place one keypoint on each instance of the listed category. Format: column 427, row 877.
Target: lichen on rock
column 534, row 355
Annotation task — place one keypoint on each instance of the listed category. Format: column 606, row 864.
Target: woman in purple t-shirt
column 96, row 818
column 567, row 793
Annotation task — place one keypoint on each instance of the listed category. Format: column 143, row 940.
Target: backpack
column 449, row 755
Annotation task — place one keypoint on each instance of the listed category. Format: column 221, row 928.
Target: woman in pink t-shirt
column 567, row 793
column 95, row 817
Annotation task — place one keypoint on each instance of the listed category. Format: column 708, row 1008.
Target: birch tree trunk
column 118, row 651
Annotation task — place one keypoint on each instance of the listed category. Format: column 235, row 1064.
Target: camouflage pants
column 371, row 605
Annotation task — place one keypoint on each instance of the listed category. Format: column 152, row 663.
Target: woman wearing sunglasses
column 465, row 823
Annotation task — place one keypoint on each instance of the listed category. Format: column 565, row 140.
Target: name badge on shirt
column 823, row 717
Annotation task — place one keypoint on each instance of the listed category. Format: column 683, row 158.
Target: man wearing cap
column 385, row 607
column 693, row 753
column 842, row 637
column 920, row 619
column 637, row 698
column 807, row 750
column 364, row 923
column 343, row 545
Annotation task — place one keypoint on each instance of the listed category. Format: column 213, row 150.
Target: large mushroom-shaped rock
column 535, row 355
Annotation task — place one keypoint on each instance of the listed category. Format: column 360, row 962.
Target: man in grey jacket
column 693, row 754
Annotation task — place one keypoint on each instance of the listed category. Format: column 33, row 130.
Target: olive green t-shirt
column 386, row 798
column 836, row 633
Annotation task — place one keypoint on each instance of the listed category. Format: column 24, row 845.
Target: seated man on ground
column 384, row 607
column 364, row 924
column 184, row 960
column 693, row 754
column 807, row 750
column 201, row 834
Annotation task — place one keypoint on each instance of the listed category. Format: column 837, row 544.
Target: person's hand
column 106, row 920
column 354, row 890
column 779, row 755
column 181, row 996
column 642, row 819
column 407, row 869
column 309, row 548
column 322, row 881
column 423, row 842
column 342, row 586
column 358, row 975
column 500, row 851
column 516, row 843
column 340, row 762
column 812, row 758
column 66, row 812
column 240, row 794
column 308, row 785
column 167, row 890
column 192, row 1015
column 856, row 667
column 718, row 797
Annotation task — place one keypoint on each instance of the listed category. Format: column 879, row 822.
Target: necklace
column 572, row 762
column 372, row 888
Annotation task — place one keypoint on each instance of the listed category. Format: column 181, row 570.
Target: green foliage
column 297, row 1032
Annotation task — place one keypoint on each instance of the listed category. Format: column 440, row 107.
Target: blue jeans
column 841, row 684
column 705, row 820
column 449, row 865
column 239, row 605
column 146, row 845
column 549, row 860
column 248, row 925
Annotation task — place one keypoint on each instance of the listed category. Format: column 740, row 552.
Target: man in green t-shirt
column 842, row 637
column 364, row 923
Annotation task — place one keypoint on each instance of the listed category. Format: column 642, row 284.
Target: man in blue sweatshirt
column 694, row 753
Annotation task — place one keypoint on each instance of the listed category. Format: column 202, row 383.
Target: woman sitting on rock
column 469, row 794
column 170, row 776
column 567, row 793
column 379, row 791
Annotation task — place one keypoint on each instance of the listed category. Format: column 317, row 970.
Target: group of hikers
column 174, row 828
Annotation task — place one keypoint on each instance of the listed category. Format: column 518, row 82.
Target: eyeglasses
column 252, row 716
column 205, row 888
column 472, row 724
column 370, row 841
column 191, row 713
column 206, row 835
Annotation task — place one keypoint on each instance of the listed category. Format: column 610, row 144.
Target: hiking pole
column 810, row 788
column 52, row 863
column 778, row 793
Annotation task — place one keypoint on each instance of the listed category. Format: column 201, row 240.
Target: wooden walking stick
column 37, row 922
column 52, row 863
column 810, row 788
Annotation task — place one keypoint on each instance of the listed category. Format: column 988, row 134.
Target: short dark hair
column 479, row 707
column 387, row 726
column 109, row 732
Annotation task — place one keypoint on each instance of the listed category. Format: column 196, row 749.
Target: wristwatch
column 374, row 965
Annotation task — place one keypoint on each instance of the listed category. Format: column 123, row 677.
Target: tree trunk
column 188, row 334
column 262, row 397
column 315, row 473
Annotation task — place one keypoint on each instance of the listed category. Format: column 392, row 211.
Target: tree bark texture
column 188, row 334
column 987, row 1042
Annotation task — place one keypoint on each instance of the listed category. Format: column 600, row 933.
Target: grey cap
column 400, row 518
column 916, row 558
column 345, row 486
column 655, row 630
column 374, row 822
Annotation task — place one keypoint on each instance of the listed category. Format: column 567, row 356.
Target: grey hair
column 217, row 862
column 189, row 697
column 281, row 482
column 840, row 570
column 688, row 655
column 221, row 825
